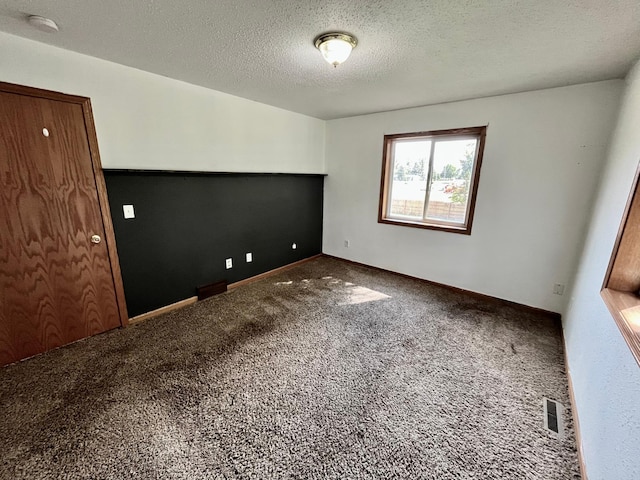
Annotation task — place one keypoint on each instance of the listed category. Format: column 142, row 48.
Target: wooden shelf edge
column 625, row 309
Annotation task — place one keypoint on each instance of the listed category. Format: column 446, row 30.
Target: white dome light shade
column 42, row 23
column 335, row 47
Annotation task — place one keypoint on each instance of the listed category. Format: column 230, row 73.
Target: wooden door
column 59, row 275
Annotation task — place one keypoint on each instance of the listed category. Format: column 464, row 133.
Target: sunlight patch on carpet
column 355, row 294
column 362, row 295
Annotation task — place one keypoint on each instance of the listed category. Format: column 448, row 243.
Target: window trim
column 385, row 188
column 621, row 285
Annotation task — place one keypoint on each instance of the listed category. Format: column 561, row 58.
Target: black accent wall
column 187, row 224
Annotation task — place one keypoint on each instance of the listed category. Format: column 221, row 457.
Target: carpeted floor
column 328, row 370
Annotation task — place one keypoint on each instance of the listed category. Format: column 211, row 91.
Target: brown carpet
column 326, row 371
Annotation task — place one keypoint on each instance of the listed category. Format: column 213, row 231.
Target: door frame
column 101, row 186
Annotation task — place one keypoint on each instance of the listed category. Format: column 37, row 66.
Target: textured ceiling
column 410, row 52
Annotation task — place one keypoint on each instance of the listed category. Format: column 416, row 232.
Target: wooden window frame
column 621, row 286
column 478, row 133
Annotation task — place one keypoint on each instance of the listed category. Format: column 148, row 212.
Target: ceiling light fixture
column 335, row 47
column 42, row 23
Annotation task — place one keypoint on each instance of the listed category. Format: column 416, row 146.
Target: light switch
column 128, row 211
column 249, row 257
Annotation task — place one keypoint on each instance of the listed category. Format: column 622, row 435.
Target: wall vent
column 212, row 289
column 553, row 413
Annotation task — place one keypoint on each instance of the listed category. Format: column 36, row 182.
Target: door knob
column 95, row 239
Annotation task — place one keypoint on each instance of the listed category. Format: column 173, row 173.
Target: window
column 430, row 179
column 620, row 290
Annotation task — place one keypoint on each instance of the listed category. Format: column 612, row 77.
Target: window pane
column 428, row 177
column 452, row 169
column 409, row 185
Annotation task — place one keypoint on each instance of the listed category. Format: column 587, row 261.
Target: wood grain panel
column 625, row 270
column 56, row 286
column 625, row 309
column 107, row 223
column 622, row 280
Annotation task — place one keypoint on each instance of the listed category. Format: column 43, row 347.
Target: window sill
column 625, row 309
column 465, row 230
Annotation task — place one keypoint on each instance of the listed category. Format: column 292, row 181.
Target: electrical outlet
column 229, row 263
column 249, row 257
column 346, row 243
column 294, row 246
column 128, row 211
column 558, row 288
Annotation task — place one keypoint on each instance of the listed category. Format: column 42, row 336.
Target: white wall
column 543, row 154
column 146, row 121
column 606, row 377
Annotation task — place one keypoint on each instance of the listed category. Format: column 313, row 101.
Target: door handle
column 95, row 239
